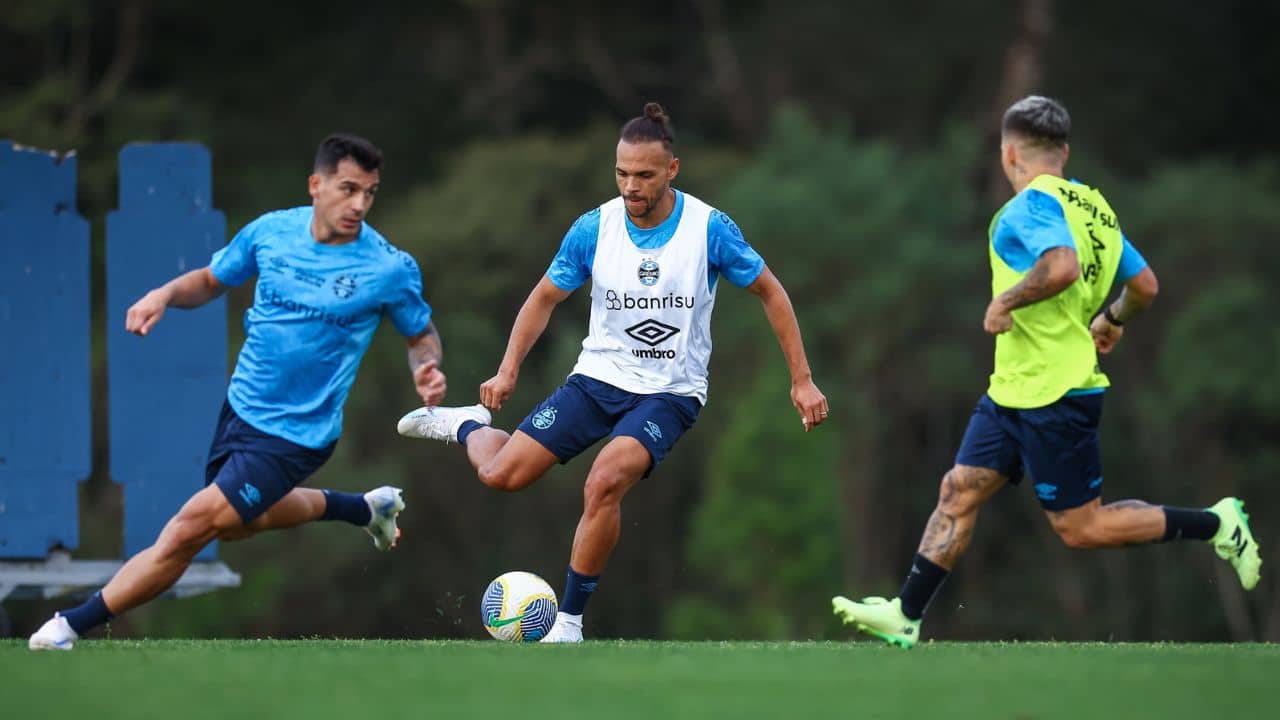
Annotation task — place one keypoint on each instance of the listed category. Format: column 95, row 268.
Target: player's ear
column 313, row 185
column 674, row 169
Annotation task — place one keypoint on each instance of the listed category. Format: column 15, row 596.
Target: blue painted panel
column 165, row 389
column 45, row 423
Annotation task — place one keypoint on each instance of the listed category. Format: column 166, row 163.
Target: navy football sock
column 922, row 582
column 349, row 507
column 1188, row 524
column 468, row 426
column 577, row 591
column 89, row 615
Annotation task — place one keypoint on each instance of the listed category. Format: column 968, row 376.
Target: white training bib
column 650, row 329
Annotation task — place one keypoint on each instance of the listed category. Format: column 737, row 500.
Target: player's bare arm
column 1054, row 272
column 425, row 353
column 189, row 290
column 805, row 395
column 530, row 323
column 1136, row 296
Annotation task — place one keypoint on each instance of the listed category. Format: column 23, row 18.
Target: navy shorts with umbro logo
column 584, row 409
column 1057, row 444
column 254, row 469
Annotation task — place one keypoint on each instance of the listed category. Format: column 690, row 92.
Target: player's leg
column 645, row 433
column 148, row 573
column 243, row 489
column 375, row 511
column 1064, row 457
column 558, row 429
column 988, row 458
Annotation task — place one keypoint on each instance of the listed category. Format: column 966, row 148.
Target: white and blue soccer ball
column 518, row 607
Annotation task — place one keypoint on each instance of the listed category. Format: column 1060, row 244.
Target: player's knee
column 605, row 486
column 186, row 534
column 954, row 496
column 500, row 477
column 1080, row 537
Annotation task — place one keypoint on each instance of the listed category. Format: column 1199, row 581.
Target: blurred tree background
column 855, row 145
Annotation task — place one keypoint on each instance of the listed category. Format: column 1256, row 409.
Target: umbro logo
column 651, row 332
column 250, row 495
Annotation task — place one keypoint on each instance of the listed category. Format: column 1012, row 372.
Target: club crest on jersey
column 648, row 272
column 344, row 287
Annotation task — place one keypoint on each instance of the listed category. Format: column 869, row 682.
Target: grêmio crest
column 648, row 272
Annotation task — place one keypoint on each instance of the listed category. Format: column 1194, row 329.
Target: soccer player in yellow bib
column 1056, row 249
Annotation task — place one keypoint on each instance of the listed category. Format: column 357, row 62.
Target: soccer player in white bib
column 654, row 256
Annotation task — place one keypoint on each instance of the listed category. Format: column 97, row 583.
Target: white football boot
column 568, row 629
column 56, row 634
column 441, row 423
column 385, row 503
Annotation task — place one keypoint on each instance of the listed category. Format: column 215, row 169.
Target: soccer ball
column 518, row 606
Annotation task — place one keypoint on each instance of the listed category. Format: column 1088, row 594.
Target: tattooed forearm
column 1045, row 279
column 1127, row 307
column 425, row 349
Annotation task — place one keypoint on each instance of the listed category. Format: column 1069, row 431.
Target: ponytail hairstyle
column 653, row 125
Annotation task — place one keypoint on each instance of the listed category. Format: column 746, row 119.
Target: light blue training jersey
column 314, row 312
column 728, row 253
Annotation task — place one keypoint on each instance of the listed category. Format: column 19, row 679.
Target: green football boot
column 880, row 618
column 1234, row 541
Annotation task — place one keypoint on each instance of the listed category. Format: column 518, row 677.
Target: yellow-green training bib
column 1049, row 350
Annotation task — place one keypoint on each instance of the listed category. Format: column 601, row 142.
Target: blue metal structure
column 45, row 423
column 164, row 391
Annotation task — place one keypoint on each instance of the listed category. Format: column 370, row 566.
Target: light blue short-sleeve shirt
column 314, row 311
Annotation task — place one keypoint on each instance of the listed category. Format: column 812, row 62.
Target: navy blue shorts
column 583, row 410
column 1057, row 444
column 254, row 469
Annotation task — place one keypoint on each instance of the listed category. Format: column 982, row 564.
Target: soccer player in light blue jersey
column 325, row 281
column 654, row 256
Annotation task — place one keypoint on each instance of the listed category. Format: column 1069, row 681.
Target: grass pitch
column 315, row 679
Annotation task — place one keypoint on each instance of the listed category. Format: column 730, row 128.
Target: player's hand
column 1105, row 335
column 145, row 313
column 998, row 319
column 497, row 389
column 430, row 383
column 810, row 403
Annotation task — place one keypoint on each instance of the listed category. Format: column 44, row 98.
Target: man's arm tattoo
column 1035, row 286
column 425, row 349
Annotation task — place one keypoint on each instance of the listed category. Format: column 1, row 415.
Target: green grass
column 405, row 679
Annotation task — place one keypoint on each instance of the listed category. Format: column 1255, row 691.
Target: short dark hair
column 345, row 145
column 1042, row 120
column 653, row 125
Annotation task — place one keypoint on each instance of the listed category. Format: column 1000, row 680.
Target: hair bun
column 654, row 111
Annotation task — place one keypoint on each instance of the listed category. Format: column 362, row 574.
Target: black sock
column 922, row 582
column 1188, row 524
